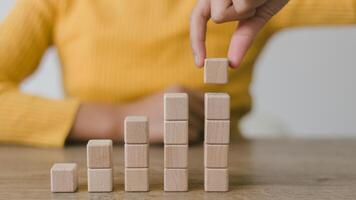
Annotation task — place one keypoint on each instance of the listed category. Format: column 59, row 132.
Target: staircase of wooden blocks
column 64, row 176
column 217, row 128
column 176, row 142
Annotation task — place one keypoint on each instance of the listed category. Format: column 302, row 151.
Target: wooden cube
column 176, row 106
column 215, row 70
column 136, row 179
column 175, row 180
column 136, row 130
column 100, row 180
column 216, row 180
column 217, row 132
column 176, row 156
column 136, row 155
column 217, row 106
column 216, row 156
column 99, row 154
column 176, row 132
column 64, row 177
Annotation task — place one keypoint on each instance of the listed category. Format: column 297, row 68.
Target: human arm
column 107, row 121
column 27, row 119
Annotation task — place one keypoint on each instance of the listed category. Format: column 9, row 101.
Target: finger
column 244, row 6
column 222, row 11
column 259, row 3
column 198, row 21
column 242, row 39
column 247, row 30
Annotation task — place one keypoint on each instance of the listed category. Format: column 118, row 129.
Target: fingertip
column 233, row 62
column 198, row 61
column 234, row 57
column 199, row 58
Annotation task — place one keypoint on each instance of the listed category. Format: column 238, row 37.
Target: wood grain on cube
column 176, row 106
column 215, row 70
column 217, row 132
column 136, row 130
column 175, row 180
column 64, row 177
column 136, row 155
column 136, row 179
column 176, row 156
column 100, row 180
column 99, row 154
column 216, row 180
column 175, row 132
column 216, row 155
column 217, row 106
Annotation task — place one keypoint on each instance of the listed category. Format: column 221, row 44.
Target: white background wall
column 304, row 83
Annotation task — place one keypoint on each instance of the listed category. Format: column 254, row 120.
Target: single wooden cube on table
column 136, row 180
column 64, row 177
column 100, row 180
column 175, row 180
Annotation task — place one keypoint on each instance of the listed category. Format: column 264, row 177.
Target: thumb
column 242, row 39
column 247, row 30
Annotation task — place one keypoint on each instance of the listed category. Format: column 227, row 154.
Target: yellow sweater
column 118, row 51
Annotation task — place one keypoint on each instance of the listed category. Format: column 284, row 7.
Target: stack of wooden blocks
column 176, row 142
column 64, row 176
column 100, row 165
column 136, row 153
column 217, row 128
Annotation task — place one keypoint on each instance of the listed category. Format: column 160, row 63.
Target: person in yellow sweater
column 119, row 57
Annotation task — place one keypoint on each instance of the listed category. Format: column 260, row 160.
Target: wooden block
column 217, row 106
column 136, row 179
column 136, row 130
column 176, row 156
column 217, row 132
column 100, row 180
column 215, row 70
column 175, row 180
column 64, row 177
column 176, row 106
column 175, row 132
column 136, row 155
column 216, row 180
column 99, row 154
column 216, row 156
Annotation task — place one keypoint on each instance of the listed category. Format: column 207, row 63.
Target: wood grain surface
column 284, row 169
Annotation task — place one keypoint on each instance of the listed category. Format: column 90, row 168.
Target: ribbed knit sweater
column 119, row 51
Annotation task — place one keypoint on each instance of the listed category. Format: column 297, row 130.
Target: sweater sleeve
column 315, row 13
column 25, row 119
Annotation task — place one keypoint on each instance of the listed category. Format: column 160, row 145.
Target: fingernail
column 196, row 58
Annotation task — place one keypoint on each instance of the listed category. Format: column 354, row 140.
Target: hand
column 107, row 121
column 97, row 121
column 251, row 14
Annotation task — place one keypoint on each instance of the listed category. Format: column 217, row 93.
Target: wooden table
column 284, row 169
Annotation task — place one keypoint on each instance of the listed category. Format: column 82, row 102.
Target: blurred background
column 304, row 84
